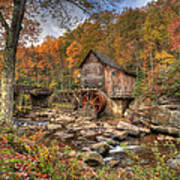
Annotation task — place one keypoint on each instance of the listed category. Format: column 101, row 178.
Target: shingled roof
column 105, row 60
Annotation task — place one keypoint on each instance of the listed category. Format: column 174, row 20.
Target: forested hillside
column 145, row 41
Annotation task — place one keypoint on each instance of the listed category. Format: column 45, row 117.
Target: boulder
column 54, row 126
column 92, row 126
column 63, row 119
column 107, row 126
column 131, row 129
column 168, row 100
column 88, row 111
column 113, row 163
column 174, row 163
column 109, row 141
column 101, row 147
column 88, row 133
column 119, row 135
column 163, row 118
column 63, row 135
column 93, row 159
column 109, row 131
column 71, row 127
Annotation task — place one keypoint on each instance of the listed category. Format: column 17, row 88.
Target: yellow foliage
column 142, row 54
column 52, row 84
column 164, row 58
column 75, row 75
column 120, row 61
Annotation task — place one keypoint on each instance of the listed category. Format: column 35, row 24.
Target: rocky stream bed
column 102, row 141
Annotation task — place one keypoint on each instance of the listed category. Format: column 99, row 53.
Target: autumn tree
column 12, row 33
column 74, row 57
column 11, row 18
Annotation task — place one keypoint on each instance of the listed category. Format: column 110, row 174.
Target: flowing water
column 138, row 146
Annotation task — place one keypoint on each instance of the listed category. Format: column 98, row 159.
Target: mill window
column 113, row 73
column 99, row 70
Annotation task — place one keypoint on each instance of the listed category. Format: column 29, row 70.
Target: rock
column 85, row 149
column 109, row 131
column 63, row 119
column 88, row 133
column 119, row 135
column 74, row 129
column 109, row 141
column 166, row 129
column 107, row 134
column 171, row 107
column 107, row 126
column 42, row 114
column 63, row 135
column 88, row 111
column 54, row 126
column 129, row 114
column 174, row 163
column 91, row 126
column 93, row 159
column 168, row 100
column 140, row 103
column 132, row 130
column 101, row 139
column 102, row 148
column 113, row 163
column 163, row 118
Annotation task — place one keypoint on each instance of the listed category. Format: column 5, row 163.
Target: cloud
column 131, row 3
column 52, row 27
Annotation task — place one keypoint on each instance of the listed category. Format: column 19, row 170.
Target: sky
column 133, row 3
column 51, row 27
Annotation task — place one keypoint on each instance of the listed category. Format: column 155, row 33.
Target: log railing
column 121, row 94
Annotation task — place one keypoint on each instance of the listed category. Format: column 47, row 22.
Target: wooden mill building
column 99, row 71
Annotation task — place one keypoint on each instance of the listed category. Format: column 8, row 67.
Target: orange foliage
column 74, row 54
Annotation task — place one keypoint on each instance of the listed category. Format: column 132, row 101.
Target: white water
column 119, row 149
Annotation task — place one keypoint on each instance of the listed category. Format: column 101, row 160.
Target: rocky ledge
column 162, row 116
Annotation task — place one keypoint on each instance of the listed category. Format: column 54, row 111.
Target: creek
column 81, row 134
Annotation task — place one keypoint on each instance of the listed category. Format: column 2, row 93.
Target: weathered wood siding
column 117, row 83
column 92, row 73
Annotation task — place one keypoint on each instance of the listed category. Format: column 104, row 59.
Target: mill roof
column 105, row 60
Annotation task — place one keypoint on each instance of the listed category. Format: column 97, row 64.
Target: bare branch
column 18, row 14
column 78, row 5
column 4, row 23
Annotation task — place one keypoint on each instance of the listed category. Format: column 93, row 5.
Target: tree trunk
column 7, row 90
column 8, row 72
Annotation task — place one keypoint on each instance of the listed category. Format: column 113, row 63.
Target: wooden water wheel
column 96, row 99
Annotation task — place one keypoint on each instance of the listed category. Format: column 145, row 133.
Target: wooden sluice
column 31, row 96
column 80, row 97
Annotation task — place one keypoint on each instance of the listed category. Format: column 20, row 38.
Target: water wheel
column 96, row 99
